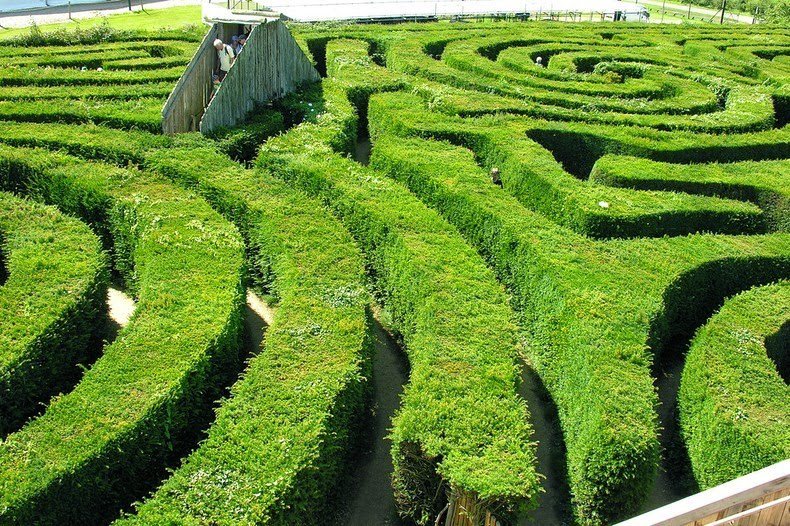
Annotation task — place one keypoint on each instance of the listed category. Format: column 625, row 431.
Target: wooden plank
column 773, row 516
column 747, row 517
column 271, row 65
column 731, row 495
column 190, row 95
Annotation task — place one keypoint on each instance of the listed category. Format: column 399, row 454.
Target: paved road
column 52, row 15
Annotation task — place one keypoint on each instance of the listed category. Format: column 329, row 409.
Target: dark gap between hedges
column 224, row 370
column 688, row 303
column 367, row 497
column 554, row 503
column 778, row 347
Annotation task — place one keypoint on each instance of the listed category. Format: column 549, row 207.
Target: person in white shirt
column 226, row 57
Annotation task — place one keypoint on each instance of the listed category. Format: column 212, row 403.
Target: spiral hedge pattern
column 643, row 187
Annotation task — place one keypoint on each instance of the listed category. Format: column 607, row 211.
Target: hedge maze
column 642, row 213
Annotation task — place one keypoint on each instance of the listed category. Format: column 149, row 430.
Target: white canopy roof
column 325, row 10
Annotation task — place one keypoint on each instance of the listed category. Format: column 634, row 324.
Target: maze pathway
column 641, row 198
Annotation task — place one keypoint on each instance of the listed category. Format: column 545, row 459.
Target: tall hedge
column 280, row 442
column 51, row 305
column 460, row 418
column 733, row 392
column 146, row 398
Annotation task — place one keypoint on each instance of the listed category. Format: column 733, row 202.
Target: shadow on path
column 369, row 493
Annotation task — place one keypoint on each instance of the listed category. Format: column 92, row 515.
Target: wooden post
column 465, row 509
column 723, row 7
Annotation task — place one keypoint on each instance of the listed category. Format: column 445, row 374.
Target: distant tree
column 778, row 12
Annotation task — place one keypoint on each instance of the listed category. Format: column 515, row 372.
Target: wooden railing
column 184, row 107
column 761, row 498
column 271, row 65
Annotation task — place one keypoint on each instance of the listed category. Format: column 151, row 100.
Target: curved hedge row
column 86, row 141
column 144, row 399
column 51, row 305
column 547, row 186
column 279, row 443
column 733, row 401
column 595, row 347
column 762, row 182
column 459, row 415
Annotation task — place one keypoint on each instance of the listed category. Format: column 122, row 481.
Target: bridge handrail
column 763, row 491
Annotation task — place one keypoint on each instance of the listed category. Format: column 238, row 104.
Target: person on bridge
column 226, row 57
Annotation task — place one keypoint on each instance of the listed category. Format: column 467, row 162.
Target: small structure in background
column 273, row 66
column 415, row 10
column 539, row 62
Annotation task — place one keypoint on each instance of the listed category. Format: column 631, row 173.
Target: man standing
column 226, row 57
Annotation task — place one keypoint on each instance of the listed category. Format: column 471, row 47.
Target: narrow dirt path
column 370, row 498
column 120, row 307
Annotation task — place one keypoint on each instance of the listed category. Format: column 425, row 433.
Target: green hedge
column 732, row 399
column 120, row 92
column 764, row 183
column 546, row 186
column 102, row 34
column 51, row 305
column 85, row 141
column 596, row 311
column 75, row 77
column 241, row 142
column 279, row 443
column 147, row 397
column 140, row 113
column 459, row 416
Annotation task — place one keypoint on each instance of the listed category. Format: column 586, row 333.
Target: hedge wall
column 51, row 305
column 733, row 393
column 459, row 416
column 279, row 444
column 143, row 401
column 596, row 347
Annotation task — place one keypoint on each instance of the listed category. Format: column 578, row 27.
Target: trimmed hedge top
column 734, row 388
column 51, row 304
column 291, row 418
column 94, row 446
column 459, row 409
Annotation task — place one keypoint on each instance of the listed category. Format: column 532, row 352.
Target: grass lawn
column 152, row 19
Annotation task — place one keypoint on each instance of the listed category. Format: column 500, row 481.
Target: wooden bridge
column 270, row 65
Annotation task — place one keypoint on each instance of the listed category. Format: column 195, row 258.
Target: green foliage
column 145, row 398
column 459, row 411
column 732, row 398
column 764, row 183
column 643, row 182
column 292, row 417
column 51, row 305
column 595, row 347
column 241, row 143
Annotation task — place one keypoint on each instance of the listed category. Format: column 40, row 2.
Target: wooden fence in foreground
column 271, row 65
column 761, row 498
